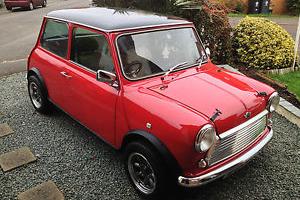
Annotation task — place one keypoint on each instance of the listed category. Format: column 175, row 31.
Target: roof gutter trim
column 118, row 30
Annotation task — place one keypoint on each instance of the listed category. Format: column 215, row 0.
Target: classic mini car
column 29, row 4
column 144, row 83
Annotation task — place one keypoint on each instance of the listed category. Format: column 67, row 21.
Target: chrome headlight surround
column 205, row 138
column 273, row 102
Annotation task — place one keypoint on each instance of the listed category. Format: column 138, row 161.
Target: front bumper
column 227, row 168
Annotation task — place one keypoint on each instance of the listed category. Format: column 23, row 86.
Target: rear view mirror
column 106, row 77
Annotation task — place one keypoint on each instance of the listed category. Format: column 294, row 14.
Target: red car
column 29, row 4
column 145, row 84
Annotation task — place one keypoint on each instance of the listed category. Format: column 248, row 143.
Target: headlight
column 205, row 138
column 273, row 102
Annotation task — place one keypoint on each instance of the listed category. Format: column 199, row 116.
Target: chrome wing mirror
column 207, row 51
column 106, row 77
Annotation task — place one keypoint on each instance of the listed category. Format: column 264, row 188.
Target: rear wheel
column 145, row 170
column 38, row 95
column 44, row 4
column 31, row 6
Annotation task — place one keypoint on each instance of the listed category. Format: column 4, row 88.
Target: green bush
column 210, row 19
column 262, row 44
column 294, row 6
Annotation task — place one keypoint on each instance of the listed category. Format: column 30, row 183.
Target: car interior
column 130, row 58
column 92, row 51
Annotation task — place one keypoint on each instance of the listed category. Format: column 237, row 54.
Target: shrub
column 262, row 44
column 210, row 19
column 234, row 5
column 294, row 6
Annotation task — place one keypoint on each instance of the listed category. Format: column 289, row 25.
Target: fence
column 297, row 48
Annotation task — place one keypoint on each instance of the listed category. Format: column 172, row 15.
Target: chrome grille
column 238, row 138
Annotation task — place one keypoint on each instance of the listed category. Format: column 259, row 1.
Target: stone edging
column 289, row 111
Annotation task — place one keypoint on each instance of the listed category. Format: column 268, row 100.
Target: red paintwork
column 176, row 113
column 22, row 3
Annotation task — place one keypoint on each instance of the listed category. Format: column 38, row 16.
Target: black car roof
column 114, row 19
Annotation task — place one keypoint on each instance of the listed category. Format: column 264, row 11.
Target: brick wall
column 279, row 6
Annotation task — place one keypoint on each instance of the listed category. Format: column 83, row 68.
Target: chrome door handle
column 65, row 74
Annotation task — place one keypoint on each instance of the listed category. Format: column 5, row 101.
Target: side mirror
column 106, row 77
column 207, row 51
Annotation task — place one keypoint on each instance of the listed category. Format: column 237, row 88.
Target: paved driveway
column 84, row 167
column 19, row 30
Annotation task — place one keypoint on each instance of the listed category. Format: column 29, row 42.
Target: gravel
column 84, row 167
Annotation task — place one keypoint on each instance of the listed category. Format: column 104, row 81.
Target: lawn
column 291, row 80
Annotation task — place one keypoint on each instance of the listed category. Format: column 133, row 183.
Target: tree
column 210, row 19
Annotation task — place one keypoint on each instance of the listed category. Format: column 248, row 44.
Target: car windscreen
column 152, row 53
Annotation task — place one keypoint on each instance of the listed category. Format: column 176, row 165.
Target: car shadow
column 21, row 9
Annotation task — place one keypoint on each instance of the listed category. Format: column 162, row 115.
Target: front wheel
column 38, row 95
column 8, row 7
column 145, row 169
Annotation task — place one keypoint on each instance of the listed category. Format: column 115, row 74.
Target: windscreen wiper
column 174, row 68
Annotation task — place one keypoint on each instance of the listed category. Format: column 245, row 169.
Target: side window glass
column 55, row 37
column 91, row 50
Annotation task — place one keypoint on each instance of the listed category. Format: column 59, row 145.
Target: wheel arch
column 157, row 145
column 35, row 72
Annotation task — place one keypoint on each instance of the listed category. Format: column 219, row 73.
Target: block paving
column 45, row 191
column 16, row 158
column 5, row 129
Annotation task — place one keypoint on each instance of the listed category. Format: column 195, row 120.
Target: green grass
column 291, row 80
column 259, row 15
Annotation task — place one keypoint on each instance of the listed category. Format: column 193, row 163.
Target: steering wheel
column 133, row 69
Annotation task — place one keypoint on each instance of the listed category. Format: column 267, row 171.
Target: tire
column 31, row 6
column 38, row 95
column 44, row 4
column 142, row 161
column 8, row 8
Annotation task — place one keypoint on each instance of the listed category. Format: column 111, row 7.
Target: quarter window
column 91, row 50
column 55, row 37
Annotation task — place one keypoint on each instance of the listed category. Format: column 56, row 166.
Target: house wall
column 279, row 6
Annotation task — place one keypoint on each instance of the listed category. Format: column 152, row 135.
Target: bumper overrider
column 227, row 168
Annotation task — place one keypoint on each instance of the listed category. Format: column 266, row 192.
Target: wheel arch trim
column 167, row 156
column 36, row 72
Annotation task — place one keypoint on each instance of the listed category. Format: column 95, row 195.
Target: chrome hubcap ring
column 142, row 173
column 35, row 95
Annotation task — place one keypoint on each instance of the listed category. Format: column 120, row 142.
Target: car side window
column 91, row 50
column 55, row 37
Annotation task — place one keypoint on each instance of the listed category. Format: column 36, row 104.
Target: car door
column 90, row 101
column 52, row 59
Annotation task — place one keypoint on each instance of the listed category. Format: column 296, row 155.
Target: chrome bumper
column 227, row 168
